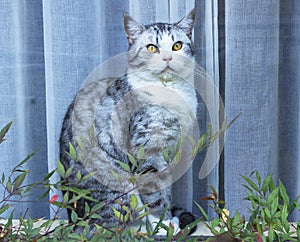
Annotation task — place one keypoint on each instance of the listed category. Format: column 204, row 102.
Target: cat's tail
column 185, row 218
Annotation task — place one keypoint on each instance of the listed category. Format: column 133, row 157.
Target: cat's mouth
column 167, row 69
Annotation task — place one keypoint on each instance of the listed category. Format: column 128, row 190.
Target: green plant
column 55, row 229
column 269, row 213
column 28, row 229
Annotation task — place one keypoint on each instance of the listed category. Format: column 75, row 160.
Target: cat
column 153, row 105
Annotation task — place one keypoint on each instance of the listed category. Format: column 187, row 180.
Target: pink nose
column 167, row 58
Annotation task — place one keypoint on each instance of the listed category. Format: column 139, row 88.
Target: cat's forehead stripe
column 161, row 29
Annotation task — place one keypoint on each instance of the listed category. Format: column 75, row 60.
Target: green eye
column 152, row 48
column 177, row 46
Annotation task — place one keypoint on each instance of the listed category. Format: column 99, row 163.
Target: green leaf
column 72, row 152
column 202, row 211
column 139, row 209
column 251, row 183
column 284, row 194
column 141, row 216
column 156, row 229
column 124, row 166
column 74, row 216
column 46, row 193
column 271, row 233
column 178, row 157
column 133, row 201
column 126, row 217
column 215, row 222
column 236, row 218
column 68, row 172
column 47, row 177
column 201, row 142
column 258, row 178
column 178, row 145
column 266, row 184
column 4, row 131
column 115, row 175
column 165, row 155
column 60, row 169
column 274, row 205
column 4, row 208
column 273, row 195
column 140, row 155
column 132, row 160
column 66, row 197
column 86, row 209
column 118, row 215
column 3, row 178
column 19, row 180
column 95, row 216
column 8, row 186
column 23, row 162
column 78, row 176
column 233, row 120
column 80, row 145
column 92, row 132
column 89, row 175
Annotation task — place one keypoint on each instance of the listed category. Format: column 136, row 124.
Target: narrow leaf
column 273, row 195
column 4, row 131
column 202, row 211
column 133, row 201
column 132, row 160
column 141, row 153
column 3, row 178
column 68, row 172
column 23, row 162
column 72, row 152
column 165, row 155
column 8, row 186
column 284, row 194
column 251, row 183
column 47, row 177
column 19, row 180
column 60, row 169
column 74, row 216
column 5, row 208
column 124, row 166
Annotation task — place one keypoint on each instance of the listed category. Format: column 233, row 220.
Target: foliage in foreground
column 270, row 210
column 269, row 213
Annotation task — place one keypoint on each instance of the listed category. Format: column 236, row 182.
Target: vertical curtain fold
column 251, row 87
column 289, row 98
column 262, row 82
column 23, row 95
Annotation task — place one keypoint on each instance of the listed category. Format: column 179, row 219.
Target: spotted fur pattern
column 150, row 106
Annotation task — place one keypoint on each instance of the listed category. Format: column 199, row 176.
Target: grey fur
column 150, row 106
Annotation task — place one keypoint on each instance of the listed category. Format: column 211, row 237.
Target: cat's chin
column 166, row 76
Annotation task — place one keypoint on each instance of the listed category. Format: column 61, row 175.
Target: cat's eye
column 152, row 48
column 177, row 46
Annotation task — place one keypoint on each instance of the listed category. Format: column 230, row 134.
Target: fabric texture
column 250, row 49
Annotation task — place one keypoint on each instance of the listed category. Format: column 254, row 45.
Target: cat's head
column 160, row 48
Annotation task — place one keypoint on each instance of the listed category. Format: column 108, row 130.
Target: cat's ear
column 132, row 28
column 187, row 23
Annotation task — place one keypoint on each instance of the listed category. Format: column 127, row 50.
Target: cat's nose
column 167, row 58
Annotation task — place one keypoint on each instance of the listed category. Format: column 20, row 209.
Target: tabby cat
column 158, row 104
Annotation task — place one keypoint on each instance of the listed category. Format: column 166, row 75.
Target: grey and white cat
column 158, row 105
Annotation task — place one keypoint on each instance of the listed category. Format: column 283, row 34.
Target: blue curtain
column 250, row 49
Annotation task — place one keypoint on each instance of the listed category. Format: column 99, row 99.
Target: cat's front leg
column 157, row 203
